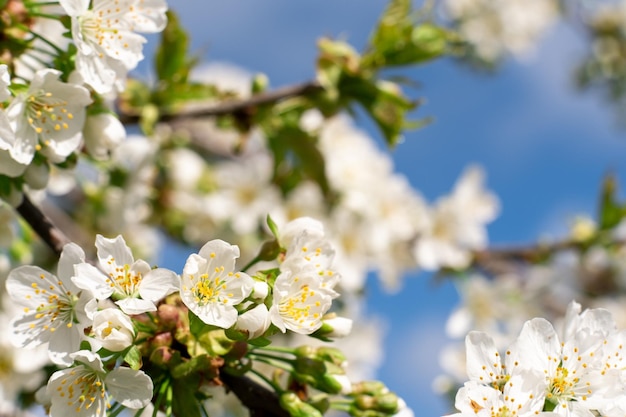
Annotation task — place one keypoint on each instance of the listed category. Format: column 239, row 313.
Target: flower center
column 82, row 389
column 46, row 113
column 561, row 386
column 124, row 280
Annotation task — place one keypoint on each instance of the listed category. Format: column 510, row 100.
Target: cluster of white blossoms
column 500, row 303
column 48, row 113
column 87, row 312
column 499, row 27
column 378, row 222
column 578, row 371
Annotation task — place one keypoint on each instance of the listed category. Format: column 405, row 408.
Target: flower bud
column 291, row 403
column 369, row 387
column 162, row 339
column 387, row 403
column 261, row 290
column 254, row 322
column 113, row 329
column 36, row 175
column 333, row 327
column 102, row 132
column 162, row 356
column 168, row 316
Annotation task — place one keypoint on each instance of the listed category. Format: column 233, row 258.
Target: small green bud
column 332, row 355
column 365, row 402
column 259, row 83
column 369, row 387
column 291, row 403
column 387, row 403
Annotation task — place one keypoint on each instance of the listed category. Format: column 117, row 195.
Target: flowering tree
column 285, row 207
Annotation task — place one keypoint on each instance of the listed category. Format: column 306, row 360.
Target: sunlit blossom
column 55, row 311
column 210, row 285
column 133, row 283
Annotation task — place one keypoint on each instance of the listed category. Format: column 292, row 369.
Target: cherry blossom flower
column 578, row 372
column 135, row 285
column 55, row 310
column 522, row 396
column 307, row 247
column 113, row 330
column 211, row 287
column 108, row 46
column 85, row 389
column 48, row 117
column 299, row 301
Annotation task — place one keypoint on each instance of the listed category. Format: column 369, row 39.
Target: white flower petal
column 131, row 388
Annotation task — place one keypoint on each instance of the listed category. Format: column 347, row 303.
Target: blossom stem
column 163, row 387
column 268, row 381
column 45, row 15
column 39, row 4
column 255, row 260
column 269, row 356
column 42, row 38
column 116, row 409
column 275, row 364
column 282, row 349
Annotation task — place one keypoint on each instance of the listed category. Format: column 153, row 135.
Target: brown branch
column 259, row 400
column 204, row 109
column 42, row 225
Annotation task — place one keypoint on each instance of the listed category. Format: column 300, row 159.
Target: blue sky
column 544, row 146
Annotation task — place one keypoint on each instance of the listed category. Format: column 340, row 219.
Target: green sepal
column 199, row 364
column 133, row 357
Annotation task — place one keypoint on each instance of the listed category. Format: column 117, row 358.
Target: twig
column 203, row 109
column 42, row 225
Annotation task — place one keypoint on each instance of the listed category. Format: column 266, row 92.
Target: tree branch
column 42, row 225
column 259, row 400
column 204, row 109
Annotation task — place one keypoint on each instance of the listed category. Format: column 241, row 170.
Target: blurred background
column 545, row 146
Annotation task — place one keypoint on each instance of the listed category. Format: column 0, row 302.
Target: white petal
column 90, row 278
column 134, row 306
column 64, row 342
column 129, row 387
column 74, row 7
column 158, row 283
column 113, row 248
column 71, row 255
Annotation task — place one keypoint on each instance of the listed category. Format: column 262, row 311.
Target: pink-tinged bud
column 168, row 316
column 162, row 339
column 162, row 356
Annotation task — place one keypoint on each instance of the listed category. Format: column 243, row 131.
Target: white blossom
column 113, row 330
column 254, row 321
column 210, row 285
column 55, row 310
column 104, row 34
column 49, row 117
column 102, row 133
column 135, row 286
column 85, row 389
column 5, row 81
column 299, row 301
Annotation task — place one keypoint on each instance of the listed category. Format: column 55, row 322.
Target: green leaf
column 198, row 364
column 185, row 402
column 611, row 211
column 170, row 61
column 133, row 357
column 398, row 39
